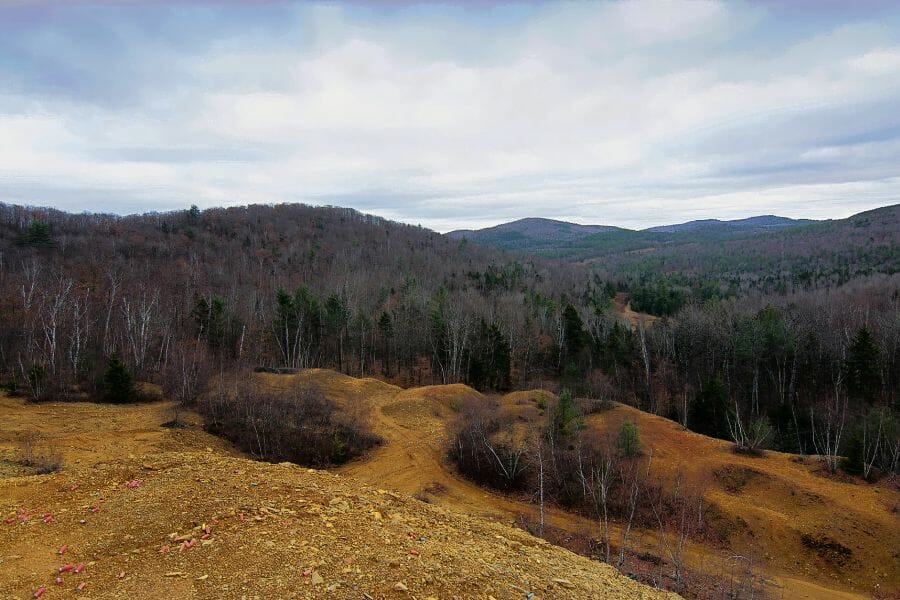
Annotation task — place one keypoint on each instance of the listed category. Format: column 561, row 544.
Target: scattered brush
column 299, row 424
column 41, row 460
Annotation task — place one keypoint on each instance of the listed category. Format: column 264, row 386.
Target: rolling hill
column 366, row 285
column 530, row 233
column 142, row 511
column 810, row 535
column 767, row 252
column 750, row 224
column 535, row 234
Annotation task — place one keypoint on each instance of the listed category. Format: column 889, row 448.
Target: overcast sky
column 450, row 116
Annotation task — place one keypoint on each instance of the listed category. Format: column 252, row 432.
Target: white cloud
column 882, row 61
column 625, row 113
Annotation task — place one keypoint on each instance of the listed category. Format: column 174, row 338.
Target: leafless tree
column 748, row 438
column 115, row 282
column 828, row 428
column 872, row 434
column 79, row 333
column 598, row 483
column 139, row 315
column 633, row 481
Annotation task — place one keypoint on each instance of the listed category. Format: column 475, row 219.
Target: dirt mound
column 204, row 525
column 762, row 506
column 772, row 502
column 735, row 478
column 86, row 433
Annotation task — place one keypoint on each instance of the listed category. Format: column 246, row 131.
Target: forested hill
column 530, row 234
column 268, row 246
column 174, row 297
column 764, row 253
column 282, row 286
column 549, row 235
column 748, row 225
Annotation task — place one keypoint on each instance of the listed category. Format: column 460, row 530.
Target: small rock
column 317, row 579
column 563, row 582
column 401, row 587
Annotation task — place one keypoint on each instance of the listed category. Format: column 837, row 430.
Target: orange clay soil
column 142, row 511
column 771, row 504
column 623, row 307
column 764, row 506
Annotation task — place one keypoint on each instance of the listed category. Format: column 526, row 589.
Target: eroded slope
column 183, row 518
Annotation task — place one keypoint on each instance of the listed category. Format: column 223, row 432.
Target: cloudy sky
column 454, row 115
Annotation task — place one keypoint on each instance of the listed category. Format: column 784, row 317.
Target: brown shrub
column 42, row 460
column 485, row 449
column 299, row 425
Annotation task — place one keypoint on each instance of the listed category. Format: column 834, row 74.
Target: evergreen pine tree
column 862, row 367
column 629, row 439
column 117, row 382
column 566, row 416
column 707, row 413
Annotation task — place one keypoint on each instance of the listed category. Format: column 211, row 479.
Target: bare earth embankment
column 305, row 532
column 142, row 511
column 811, row 535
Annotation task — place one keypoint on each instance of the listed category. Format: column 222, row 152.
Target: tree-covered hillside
column 812, row 366
column 716, row 258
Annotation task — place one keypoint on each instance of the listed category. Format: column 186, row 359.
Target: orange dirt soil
column 623, row 307
column 149, row 512
column 766, row 505
column 766, row 516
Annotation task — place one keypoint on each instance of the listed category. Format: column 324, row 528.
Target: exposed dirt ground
column 767, row 504
column 773, row 503
column 813, row 536
column 623, row 307
column 142, row 511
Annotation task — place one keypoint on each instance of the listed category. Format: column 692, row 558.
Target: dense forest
column 748, row 347
column 276, row 286
column 667, row 266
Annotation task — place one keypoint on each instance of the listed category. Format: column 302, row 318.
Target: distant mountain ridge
column 529, row 233
column 764, row 252
column 536, row 234
column 762, row 222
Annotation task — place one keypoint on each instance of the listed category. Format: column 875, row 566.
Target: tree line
column 290, row 286
column 278, row 286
